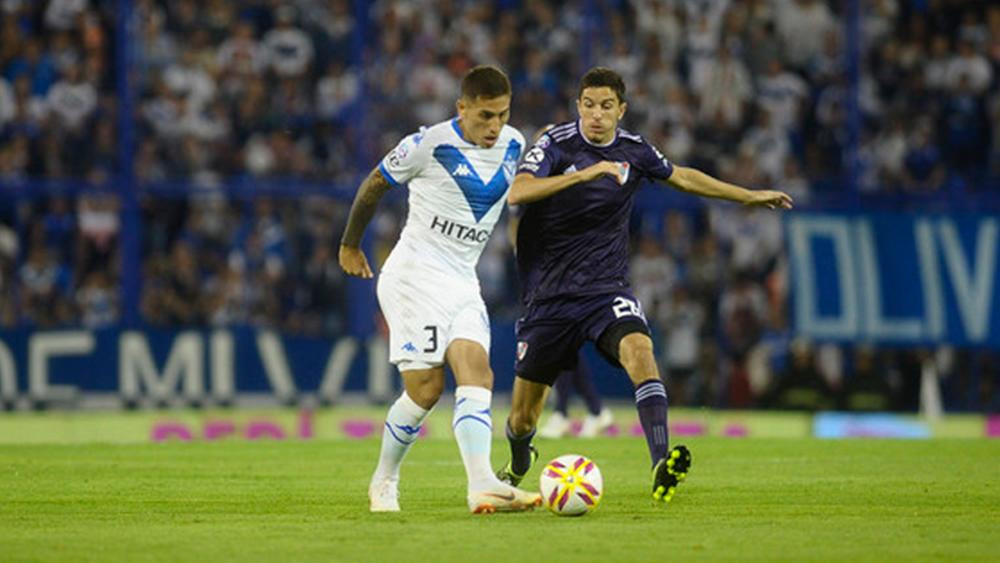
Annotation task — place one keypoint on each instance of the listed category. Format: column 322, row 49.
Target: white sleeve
column 405, row 161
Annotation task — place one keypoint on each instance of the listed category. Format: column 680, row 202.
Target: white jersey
column 457, row 191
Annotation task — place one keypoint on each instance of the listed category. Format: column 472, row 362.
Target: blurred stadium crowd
column 231, row 94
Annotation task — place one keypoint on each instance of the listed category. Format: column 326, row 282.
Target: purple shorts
column 550, row 333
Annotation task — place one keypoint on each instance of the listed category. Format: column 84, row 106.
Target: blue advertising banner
column 193, row 364
column 895, row 278
column 220, row 364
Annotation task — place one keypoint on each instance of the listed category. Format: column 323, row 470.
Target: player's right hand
column 595, row 171
column 353, row 261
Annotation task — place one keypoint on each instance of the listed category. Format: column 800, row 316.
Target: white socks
column 402, row 424
column 472, row 424
column 473, row 429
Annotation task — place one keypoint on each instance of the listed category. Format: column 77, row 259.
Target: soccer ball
column 571, row 485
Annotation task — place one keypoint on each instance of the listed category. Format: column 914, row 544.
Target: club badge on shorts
column 522, row 349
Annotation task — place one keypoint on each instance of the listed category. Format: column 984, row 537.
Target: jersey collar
column 579, row 129
column 458, row 130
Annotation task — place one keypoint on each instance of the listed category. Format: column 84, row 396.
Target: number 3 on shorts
column 624, row 307
column 432, row 338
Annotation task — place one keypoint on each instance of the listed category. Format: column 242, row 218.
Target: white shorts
column 426, row 313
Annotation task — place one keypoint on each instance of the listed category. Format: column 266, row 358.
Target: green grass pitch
column 752, row 499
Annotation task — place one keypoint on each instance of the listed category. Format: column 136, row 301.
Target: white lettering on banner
column 8, row 372
column 859, row 288
column 807, row 317
column 337, row 367
column 379, row 372
column 876, row 325
column 272, row 355
column 136, row 368
column 184, row 369
column 973, row 290
column 223, row 359
column 43, row 346
column 930, row 278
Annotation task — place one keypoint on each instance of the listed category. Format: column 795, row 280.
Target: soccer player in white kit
column 459, row 172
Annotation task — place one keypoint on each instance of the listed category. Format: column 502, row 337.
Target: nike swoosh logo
column 507, row 497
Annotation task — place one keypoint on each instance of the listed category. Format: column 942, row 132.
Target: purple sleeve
column 542, row 160
column 654, row 164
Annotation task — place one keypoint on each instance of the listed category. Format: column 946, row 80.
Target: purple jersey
column 576, row 242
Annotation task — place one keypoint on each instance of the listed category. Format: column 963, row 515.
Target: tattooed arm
column 352, row 258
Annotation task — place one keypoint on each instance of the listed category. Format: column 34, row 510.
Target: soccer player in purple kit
column 577, row 185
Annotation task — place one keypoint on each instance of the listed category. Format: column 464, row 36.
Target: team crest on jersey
column 624, row 168
column 522, row 349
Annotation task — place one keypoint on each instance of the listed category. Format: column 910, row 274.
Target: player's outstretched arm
column 697, row 182
column 527, row 188
column 352, row 259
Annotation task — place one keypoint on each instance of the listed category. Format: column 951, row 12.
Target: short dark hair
column 485, row 81
column 602, row 76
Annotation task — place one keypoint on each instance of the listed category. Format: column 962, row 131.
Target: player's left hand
column 770, row 199
column 353, row 261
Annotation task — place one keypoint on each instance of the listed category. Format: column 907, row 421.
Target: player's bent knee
column 426, row 397
column 429, row 395
column 635, row 347
column 636, row 356
column 424, row 386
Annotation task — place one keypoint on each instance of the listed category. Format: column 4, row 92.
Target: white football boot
column 383, row 494
column 502, row 498
column 556, row 426
column 593, row 426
